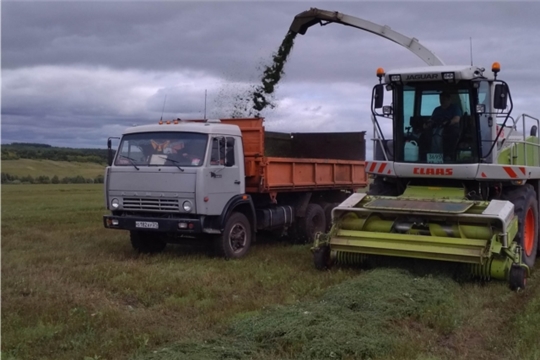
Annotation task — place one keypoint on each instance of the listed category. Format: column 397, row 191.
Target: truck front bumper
column 179, row 226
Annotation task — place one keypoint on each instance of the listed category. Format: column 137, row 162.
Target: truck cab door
column 224, row 173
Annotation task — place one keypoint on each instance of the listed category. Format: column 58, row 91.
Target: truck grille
column 155, row 204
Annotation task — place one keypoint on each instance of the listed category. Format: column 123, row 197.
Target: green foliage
column 16, row 151
column 7, row 178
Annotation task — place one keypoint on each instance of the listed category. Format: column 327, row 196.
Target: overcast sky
column 75, row 73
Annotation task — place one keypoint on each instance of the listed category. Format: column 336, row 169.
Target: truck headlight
column 187, row 206
column 115, row 203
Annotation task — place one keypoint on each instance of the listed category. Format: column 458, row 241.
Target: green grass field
column 73, row 290
column 25, row 167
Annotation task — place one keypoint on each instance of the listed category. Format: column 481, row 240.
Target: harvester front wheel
column 526, row 210
column 321, row 258
column 313, row 222
column 518, row 278
column 147, row 242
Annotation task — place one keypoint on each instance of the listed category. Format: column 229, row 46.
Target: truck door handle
column 237, row 182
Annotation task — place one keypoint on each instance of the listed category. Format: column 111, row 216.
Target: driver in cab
column 444, row 117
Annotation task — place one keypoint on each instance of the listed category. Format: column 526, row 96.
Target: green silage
column 272, row 75
column 359, row 319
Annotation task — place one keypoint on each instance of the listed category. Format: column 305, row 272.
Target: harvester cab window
column 437, row 125
column 485, row 128
column 223, row 151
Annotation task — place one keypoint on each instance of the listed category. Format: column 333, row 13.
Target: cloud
column 74, row 73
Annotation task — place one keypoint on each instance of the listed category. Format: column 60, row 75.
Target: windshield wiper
column 173, row 161
column 132, row 161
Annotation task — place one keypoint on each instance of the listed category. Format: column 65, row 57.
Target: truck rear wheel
column 526, row 210
column 235, row 240
column 147, row 242
column 313, row 222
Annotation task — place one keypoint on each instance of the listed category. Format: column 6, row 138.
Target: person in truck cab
column 190, row 154
column 444, row 121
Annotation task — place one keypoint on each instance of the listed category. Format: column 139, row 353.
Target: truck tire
column 235, row 240
column 526, row 210
column 313, row 222
column 146, row 242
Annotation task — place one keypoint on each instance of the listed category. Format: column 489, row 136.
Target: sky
column 76, row 72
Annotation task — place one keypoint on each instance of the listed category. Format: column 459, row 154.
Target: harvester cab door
column 224, row 177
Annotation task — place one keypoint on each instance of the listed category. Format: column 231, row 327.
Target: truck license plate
column 146, row 224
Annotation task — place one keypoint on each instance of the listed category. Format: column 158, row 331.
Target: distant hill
column 35, row 167
column 15, row 151
column 44, row 164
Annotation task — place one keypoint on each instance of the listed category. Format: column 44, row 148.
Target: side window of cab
column 222, row 151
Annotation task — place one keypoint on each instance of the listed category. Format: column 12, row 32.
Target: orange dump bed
column 277, row 162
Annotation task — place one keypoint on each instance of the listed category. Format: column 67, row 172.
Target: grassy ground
column 73, row 290
column 25, row 167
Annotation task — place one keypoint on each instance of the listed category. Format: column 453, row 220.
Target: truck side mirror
column 378, row 96
column 110, row 154
column 500, row 97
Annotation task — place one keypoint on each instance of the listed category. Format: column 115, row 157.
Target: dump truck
column 225, row 180
column 464, row 189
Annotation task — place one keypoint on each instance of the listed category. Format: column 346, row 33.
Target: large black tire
column 314, row 221
column 526, row 210
column 235, row 240
column 383, row 188
column 147, row 242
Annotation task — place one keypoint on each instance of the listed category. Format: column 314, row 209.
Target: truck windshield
column 162, row 149
column 434, row 124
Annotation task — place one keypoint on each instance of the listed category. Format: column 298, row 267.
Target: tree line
column 15, row 151
column 6, row 178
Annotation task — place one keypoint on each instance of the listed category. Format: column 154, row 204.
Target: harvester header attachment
column 444, row 229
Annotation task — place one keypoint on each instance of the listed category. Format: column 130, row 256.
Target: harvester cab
column 456, row 180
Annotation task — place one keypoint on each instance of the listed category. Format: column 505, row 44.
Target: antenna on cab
column 163, row 110
column 205, row 93
column 470, row 41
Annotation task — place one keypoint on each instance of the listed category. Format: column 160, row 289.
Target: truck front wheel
column 235, row 240
column 147, row 242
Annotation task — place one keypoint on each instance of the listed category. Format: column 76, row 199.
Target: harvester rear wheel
column 147, row 242
column 518, row 278
column 313, row 222
column 526, row 210
column 321, row 258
